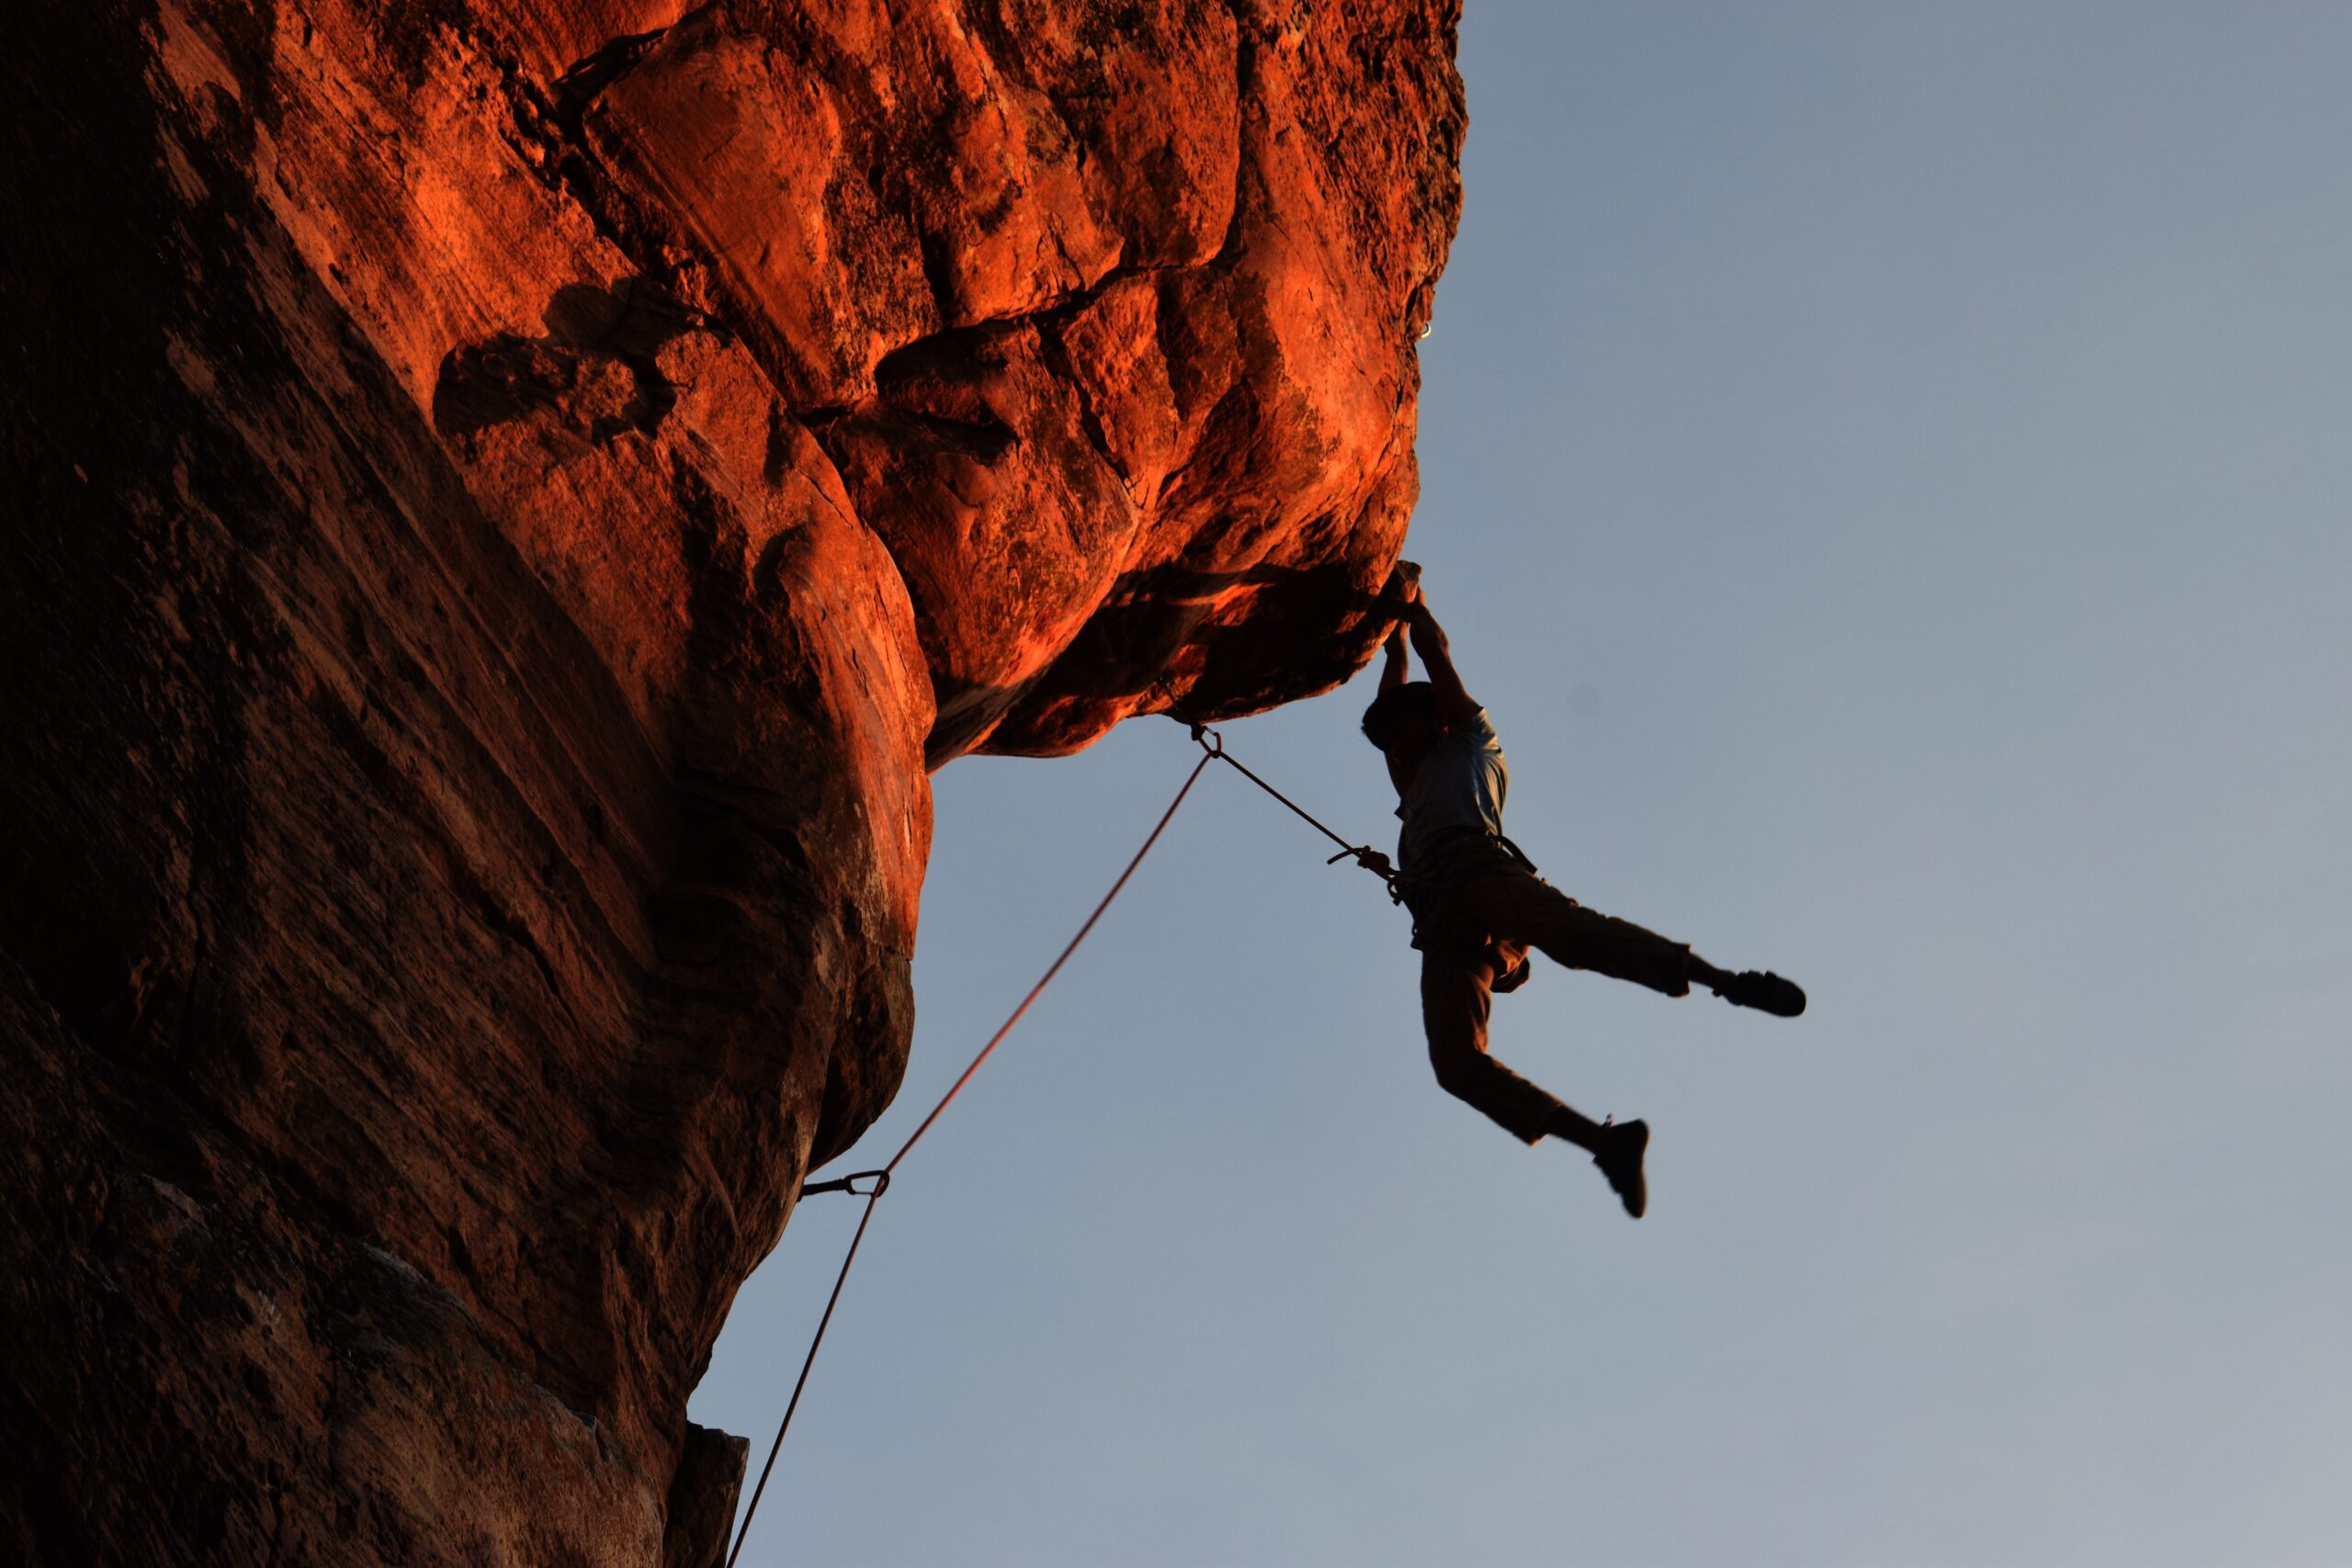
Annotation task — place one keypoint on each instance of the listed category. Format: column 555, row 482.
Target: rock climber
column 1478, row 905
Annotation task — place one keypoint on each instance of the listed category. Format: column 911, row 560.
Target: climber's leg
column 1523, row 908
column 1456, row 997
column 1519, row 907
column 1457, row 1000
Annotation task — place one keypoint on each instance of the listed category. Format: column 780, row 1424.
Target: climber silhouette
column 1478, row 905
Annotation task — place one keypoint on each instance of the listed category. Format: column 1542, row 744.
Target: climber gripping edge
column 1478, row 905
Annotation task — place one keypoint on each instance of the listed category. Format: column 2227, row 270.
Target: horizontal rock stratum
column 510, row 501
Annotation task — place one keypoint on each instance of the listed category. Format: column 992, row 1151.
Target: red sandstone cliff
column 507, row 502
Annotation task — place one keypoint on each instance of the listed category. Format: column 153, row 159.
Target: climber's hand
column 1374, row 861
column 1402, row 590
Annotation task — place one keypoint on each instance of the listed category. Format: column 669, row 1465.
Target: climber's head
column 1403, row 720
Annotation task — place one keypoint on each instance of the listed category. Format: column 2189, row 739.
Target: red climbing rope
column 882, row 1182
column 1211, row 746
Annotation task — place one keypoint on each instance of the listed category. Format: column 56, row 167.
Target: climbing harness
column 1213, row 750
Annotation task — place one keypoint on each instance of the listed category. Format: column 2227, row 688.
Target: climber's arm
column 1454, row 703
column 1392, row 674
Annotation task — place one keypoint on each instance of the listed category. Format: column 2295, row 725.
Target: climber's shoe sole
column 1620, row 1159
column 1764, row 992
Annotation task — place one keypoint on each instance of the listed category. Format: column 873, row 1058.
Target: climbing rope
column 1213, row 750
column 1371, row 859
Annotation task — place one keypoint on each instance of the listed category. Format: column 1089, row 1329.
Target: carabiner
column 850, row 1184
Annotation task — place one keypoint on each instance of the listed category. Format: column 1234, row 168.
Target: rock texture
column 509, row 502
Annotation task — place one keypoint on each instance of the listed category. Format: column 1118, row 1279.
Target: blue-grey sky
column 1887, row 469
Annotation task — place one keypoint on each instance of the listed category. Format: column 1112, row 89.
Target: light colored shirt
column 1461, row 784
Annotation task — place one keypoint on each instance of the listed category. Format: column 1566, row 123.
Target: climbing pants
column 1484, row 923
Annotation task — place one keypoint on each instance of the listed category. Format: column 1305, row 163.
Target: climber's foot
column 1765, row 991
column 1619, row 1156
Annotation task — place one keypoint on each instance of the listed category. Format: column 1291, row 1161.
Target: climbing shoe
column 1764, row 992
column 1620, row 1159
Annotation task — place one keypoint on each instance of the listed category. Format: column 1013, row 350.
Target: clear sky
column 1887, row 469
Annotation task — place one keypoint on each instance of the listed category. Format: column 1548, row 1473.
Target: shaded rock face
column 509, row 502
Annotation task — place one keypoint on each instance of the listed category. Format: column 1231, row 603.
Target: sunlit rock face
column 510, row 501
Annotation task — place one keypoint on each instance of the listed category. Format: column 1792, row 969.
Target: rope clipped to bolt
column 1213, row 750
